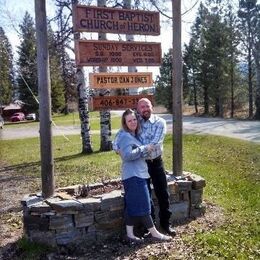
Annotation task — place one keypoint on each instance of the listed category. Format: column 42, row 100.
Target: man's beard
column 146, row 115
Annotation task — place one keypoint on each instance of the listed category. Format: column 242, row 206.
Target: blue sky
column 12, row 13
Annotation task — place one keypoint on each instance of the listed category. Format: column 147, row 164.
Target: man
column 153, row 130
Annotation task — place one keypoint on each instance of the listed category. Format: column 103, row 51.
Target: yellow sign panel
column 114, row 53
column 120, row 80
column 115, row 20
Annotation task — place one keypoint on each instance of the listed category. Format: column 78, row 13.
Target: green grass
column 231, row 168
column 71, row 166
column 71, row 119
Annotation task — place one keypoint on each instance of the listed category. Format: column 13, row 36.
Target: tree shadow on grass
column 73, row 156
column 27, row 165
column 17, row 178
column 18, row 167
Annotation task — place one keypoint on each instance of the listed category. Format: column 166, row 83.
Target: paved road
column 242, row 129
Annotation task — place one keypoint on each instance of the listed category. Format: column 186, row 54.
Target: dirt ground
column 14, row 186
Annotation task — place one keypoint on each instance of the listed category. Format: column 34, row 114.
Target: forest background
column 220, row 59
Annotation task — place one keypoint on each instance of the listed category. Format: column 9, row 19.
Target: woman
column 134, row 178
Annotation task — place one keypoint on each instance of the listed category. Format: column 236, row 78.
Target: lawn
column 231, row 168
column 71, row 119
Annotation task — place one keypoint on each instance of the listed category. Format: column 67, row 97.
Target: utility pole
column 177, row 87
column 44, row 86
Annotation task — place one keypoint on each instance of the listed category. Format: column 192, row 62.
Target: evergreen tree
column 199, row 59
column 57, row 83
column 191, row 58
column 248, row 13
column 211, row 58
column 63, row 42
column 69, row 80
column 196, row 62
column 205, row 61
column 6, row 69
column 233, row 41
column 163, row 83
column 214, row 63
column 27, row 78
column 256, row 54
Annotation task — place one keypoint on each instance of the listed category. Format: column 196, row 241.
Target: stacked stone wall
column 65, row 219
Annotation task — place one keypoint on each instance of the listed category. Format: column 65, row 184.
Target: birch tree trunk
column 83, row 95
column 105, row 116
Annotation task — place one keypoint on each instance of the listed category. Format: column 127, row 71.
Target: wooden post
column 47, row 163
column 83, row 94
column 177, row 88
column 105, row 116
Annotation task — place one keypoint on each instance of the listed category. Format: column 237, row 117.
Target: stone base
column 65, row 219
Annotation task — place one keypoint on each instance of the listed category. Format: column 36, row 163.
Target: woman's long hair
column 123, row 121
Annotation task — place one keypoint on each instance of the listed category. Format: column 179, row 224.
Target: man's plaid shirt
column 152, row 132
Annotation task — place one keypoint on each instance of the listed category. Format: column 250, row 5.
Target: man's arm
column 159, row 131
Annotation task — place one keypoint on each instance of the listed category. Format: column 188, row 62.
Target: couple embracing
column 140, row 144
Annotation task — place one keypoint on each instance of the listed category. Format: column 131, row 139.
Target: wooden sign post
column 177, row 94
column 47, row 161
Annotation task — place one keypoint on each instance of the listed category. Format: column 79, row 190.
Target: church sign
column 117, row 53
column 117, row 102
column 120, row 80
column 115, row 20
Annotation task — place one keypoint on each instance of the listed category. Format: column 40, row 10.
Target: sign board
column 120, row 80
column 115, row 20
column 117, row 102
column 114, row 53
